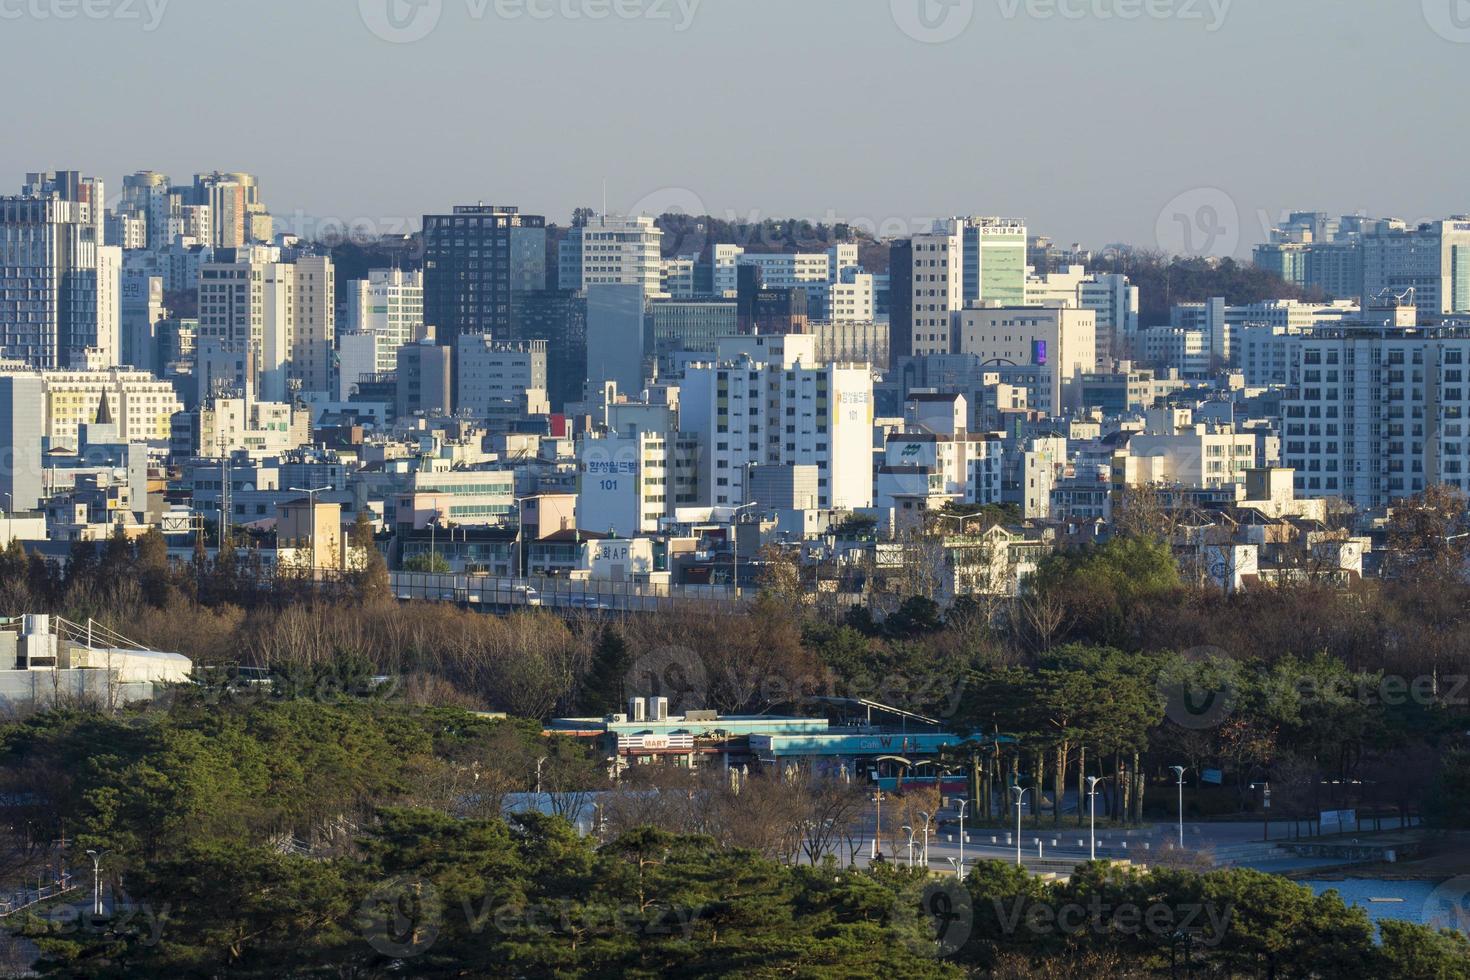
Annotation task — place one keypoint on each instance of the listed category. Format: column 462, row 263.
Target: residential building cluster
column 500, row 396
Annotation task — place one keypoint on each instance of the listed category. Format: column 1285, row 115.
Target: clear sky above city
column 1095, row 120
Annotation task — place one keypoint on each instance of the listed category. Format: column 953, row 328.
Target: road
column 506, row 593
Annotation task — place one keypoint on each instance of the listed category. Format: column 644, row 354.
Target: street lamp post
column 539, row 763
column 311, row 496
column 735, row 544
column 1092, row 782
column 878, row 827
column 1020, row 794
column 520, row 529
column 910, row 831
column 963, row 804
column 1179, row 771
column 926, row 837
column 96, row 857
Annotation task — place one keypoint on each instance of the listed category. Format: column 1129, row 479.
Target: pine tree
column 603, row 689
column 117, row 557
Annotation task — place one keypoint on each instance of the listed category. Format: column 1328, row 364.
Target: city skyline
column 721, row 89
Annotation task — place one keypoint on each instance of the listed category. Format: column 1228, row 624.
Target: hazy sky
column 1062, row 112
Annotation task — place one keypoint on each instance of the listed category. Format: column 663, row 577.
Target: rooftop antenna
column 604, row 200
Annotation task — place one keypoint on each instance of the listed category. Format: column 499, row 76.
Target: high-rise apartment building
column 613, row 250
column 22, row 427
column 313, row 322
column 58, row 281
column 1432, row 259
column 238, row 216
column 625, row 481
column 764, row 400
column 390, row 304
column 495, row 379
column 424, row 380
column 283, row 312
column 1377, row 413
column 963, row 262
column 140, row 310
column 147, row 195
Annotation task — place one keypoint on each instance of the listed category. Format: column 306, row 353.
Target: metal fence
column 23, row 898
column 558, row 593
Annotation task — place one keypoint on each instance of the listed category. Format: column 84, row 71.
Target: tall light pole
column 96, row 857
column 1020, row 794
column 1092, row 782
column 1179, row 771
column 926, row 837
column 539, row 763
column 311, row 496
column 735, row 544
column 910, row 831
column 963, row 804
column 878, row 828
column 520, row 530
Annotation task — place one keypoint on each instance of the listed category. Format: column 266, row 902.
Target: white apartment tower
column 963, row 262
column 390, row 304
column 613, row 250
column 282, row 312
column 147, row 195
column 1377, row 412
column 765, row 400
column 313, row 322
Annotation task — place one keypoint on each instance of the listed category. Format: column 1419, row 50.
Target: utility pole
column 224, row 486
column 1179, row 771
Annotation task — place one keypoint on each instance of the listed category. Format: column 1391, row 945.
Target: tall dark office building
column 559, row 317
column 768, row 310
column 476, row 262
column 900, row 300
